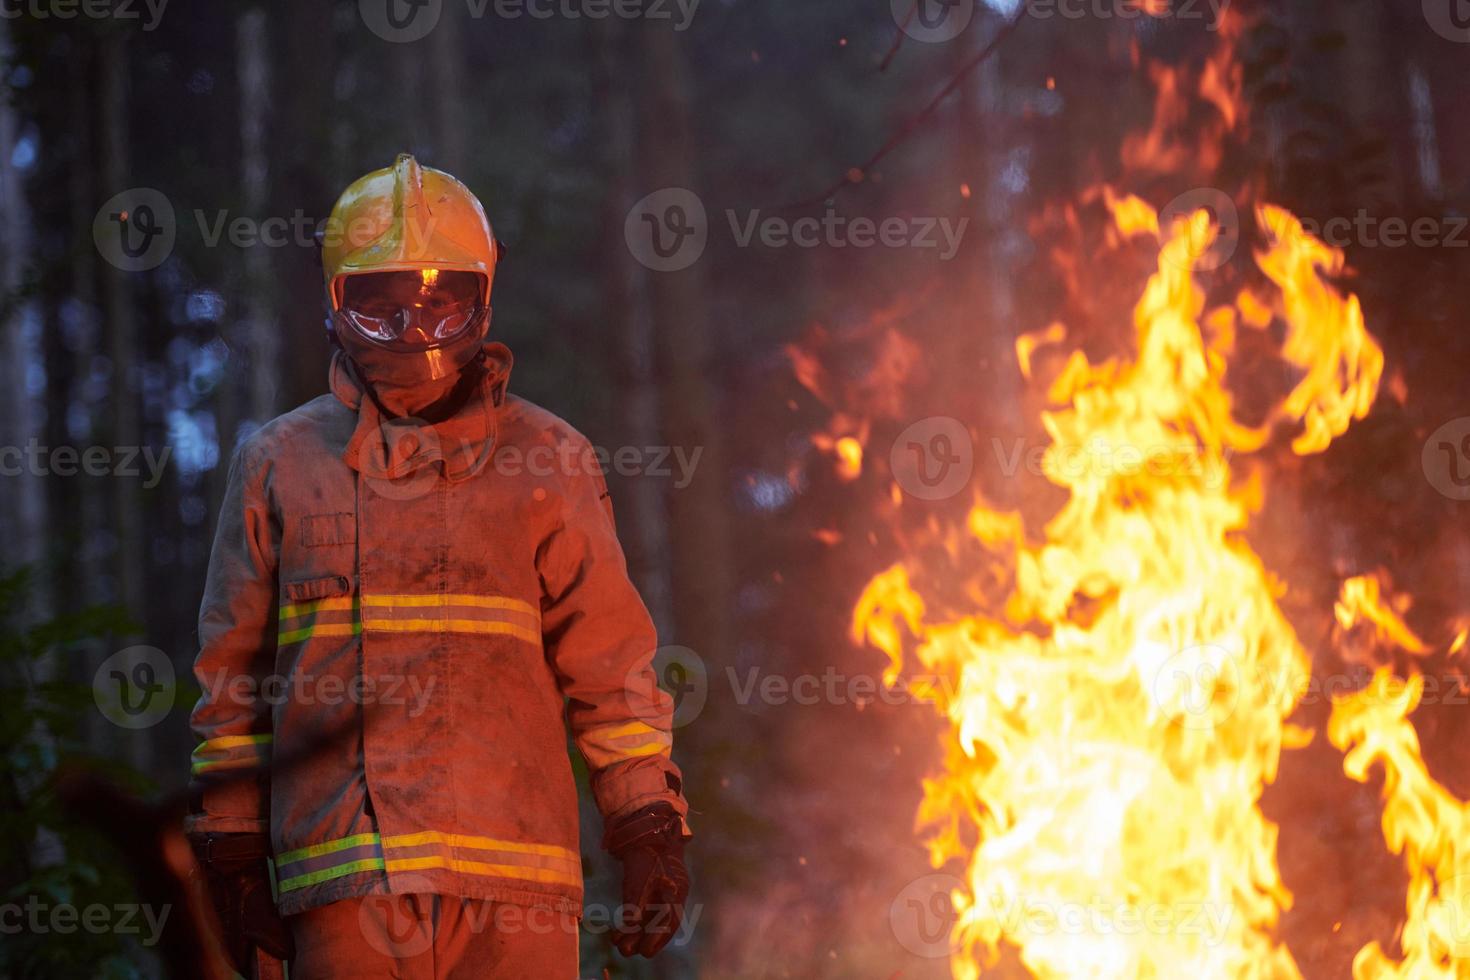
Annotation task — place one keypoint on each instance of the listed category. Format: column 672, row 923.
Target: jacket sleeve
column 600, row 641
column 229, row 779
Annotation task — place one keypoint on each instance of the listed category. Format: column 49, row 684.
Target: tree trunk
column 703, row 564
column 261, row 330
column 22, row 520
column 450, row 120
column 129, row 557
column 303, row 179
column 641, row 501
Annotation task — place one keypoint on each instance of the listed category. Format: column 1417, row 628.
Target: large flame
column 1119, row 690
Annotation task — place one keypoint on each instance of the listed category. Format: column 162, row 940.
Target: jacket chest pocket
column 322, row 530
column 322, row 548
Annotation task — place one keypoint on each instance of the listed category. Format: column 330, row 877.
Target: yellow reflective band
column 477, row 843
column 442, row 601
column 452, row 626
column 607, row 732
column 217, row 754
column 319, row 629
column 232, row 741
column 653, row 748
column 494, row 870
column 318, row 605
column 335, row 625
column 541, row 862
column 604, row 746
column 419, row 613
column 327, row 874
column 317, row 850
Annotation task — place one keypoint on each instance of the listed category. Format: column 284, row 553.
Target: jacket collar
column 393, row 449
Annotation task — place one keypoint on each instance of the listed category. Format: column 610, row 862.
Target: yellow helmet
column 406, row 217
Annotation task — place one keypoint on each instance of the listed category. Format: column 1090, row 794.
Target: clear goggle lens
column 417, row 309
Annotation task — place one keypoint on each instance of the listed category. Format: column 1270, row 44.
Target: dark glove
column 239, row 885
column 650, row 843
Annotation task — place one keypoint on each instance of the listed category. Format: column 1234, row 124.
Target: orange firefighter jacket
column 400, row 621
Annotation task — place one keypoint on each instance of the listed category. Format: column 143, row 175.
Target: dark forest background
column 803, row 812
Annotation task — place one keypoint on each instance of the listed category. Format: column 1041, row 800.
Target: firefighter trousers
column 432, row 937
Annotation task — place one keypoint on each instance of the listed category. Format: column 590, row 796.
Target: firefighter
column 415, row 589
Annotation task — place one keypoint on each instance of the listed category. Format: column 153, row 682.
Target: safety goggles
column 417, row 309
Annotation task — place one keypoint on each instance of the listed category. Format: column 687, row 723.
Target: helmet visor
column 413, row 310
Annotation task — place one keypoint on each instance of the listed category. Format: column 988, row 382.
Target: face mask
column 412, row 328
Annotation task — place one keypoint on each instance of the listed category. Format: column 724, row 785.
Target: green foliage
column 51, row 860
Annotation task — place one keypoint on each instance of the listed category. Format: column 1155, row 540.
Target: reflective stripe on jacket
column 399, row 623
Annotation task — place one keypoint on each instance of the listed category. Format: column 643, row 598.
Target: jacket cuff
column 239, row 805
column 631, row 786
column 204, row 823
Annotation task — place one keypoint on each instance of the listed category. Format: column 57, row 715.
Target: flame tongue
column 1118, row 710
column 1421, row 820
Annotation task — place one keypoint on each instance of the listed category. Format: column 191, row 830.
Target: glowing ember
column 1118, row 694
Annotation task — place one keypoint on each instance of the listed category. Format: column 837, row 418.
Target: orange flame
column 1119, row 702
column 1422, row 821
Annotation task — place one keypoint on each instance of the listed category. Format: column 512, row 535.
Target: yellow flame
column 1361, row 601
column 1118, row 694
column 1422, row 821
